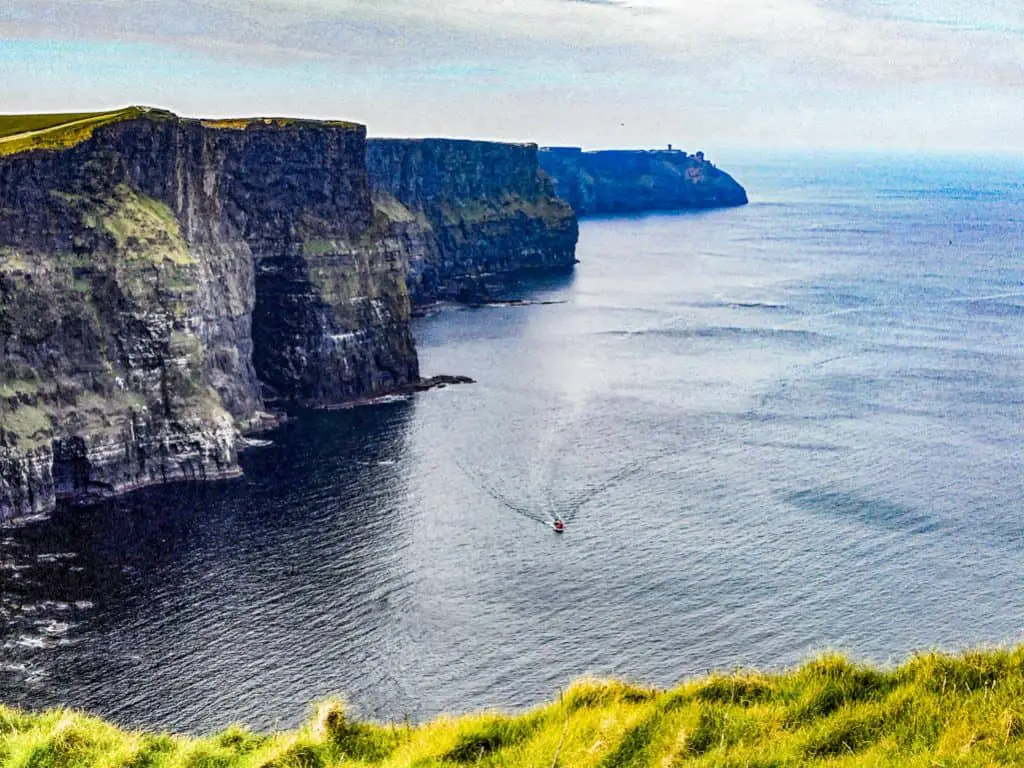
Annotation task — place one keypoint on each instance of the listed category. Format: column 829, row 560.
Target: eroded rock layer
column 161, row 277
column 469, row 211
column 629, row 181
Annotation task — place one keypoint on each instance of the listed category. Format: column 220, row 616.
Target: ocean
column 774, row 430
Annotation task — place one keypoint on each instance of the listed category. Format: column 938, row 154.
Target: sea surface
column 773, row 430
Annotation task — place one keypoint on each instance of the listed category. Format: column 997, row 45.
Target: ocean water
column 773, row 430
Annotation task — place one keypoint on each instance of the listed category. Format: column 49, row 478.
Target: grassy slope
column 19, row 133
column 14, row 124
column 933, row 711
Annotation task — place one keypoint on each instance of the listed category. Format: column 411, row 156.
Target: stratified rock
column 155, row 272
column 627, row 181
column 468, row 212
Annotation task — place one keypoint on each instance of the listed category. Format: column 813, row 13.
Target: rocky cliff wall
column 622, row 181
column 161, row 277
column 470, row 212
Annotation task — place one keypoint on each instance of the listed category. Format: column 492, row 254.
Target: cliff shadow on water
column 197, row 566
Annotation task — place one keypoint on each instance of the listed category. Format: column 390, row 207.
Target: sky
column 888, row 75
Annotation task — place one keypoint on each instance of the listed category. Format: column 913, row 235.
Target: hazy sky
column 891, row 74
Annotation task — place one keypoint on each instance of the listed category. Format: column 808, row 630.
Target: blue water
column 772, row 430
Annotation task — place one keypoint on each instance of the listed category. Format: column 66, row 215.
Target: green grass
column 486, row 210
column 934, row 710
column 19, row 133
column 145, row 228
column 30, row 426
column 15, row 387
column 11, row 125
column 244, row 123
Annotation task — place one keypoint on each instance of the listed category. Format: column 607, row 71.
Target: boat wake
column 553, row 509
column 570, row 508
column 481, row 482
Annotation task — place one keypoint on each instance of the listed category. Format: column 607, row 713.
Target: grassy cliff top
column 20, row 133
column 12, row 125
column 933, row 711
column 242, row 123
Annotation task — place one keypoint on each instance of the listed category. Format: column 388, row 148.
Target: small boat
column 558, row 526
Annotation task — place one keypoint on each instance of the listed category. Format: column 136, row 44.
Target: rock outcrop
column 160, row 278
column 628, row 181
column 469, row 213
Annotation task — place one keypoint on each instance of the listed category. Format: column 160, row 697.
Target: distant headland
column 632, row 181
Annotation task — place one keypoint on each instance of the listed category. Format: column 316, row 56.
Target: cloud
column 737, row 58
column 846, row 42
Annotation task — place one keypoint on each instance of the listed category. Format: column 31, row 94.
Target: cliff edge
column 471, row 211
column 630, row 181
column 161, row 278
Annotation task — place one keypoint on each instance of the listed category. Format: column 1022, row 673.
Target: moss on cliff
column 144, row 228
column 104, row 378
column 17, row 387
column 387, row 206
column 548, row 210
column 96, row 319
column 13, row 261
column 347, row 271
column 934, row 710
column 475, row 212
column 26, row 426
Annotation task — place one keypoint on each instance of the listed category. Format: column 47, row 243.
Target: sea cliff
column 162, row 278
column 629, row 181
column 470, row 212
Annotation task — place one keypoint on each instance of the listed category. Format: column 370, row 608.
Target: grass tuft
column 490, row 735
column 358, row 741
column 742, row 689
column 590, row 693
column 849, row 731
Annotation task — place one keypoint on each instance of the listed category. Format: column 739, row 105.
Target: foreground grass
column 933, row 711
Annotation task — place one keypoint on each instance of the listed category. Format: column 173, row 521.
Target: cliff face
column 621, row 181
column 469, row 211
column 161, row 276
